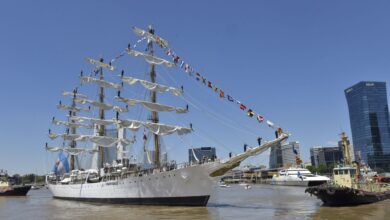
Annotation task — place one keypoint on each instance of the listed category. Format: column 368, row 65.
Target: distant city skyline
column 328, row 156
column 289, row 60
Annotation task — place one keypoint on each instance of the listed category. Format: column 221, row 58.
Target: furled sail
column 153, row 106
column 150, row 59
column 68, row 137
column 100, row 64
column 134, row 125
column 99, row 140
column 152, row 86
column 71, row 151
column 194, row 154
column 148, row 157
column 71, row 108
column 155, row 38
column 100, row 105
column 78, row 95
column 105, row 141
column 156, row 128
column 94, row 120
column 70, row 124
column 101, row 83
column 77, row 151
column 161, row 129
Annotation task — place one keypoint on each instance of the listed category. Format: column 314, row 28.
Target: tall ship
column 350, row 185
column 7, row 188
column 155, row 181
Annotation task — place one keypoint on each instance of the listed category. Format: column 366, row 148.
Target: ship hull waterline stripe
column 164, row 201
column 17, row 191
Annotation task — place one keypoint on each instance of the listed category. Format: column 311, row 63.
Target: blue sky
column 288, row 60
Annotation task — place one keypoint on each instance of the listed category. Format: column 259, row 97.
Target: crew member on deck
column 280, row 131
column 259, row 141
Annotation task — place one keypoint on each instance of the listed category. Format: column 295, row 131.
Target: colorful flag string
column 187, row 68
column 178, row 61
column 124, row 52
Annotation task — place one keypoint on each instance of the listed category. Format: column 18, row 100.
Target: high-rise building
column 275, row 157
column 328, row 156
column 196, row 155
column 288, row 155
column 283, row 155
column 369, row 118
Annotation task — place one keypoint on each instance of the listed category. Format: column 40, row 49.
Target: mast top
column 151, row 29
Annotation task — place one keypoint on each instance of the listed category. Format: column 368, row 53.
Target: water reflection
column 91, row 211
column 379, row 210
column 259, row 202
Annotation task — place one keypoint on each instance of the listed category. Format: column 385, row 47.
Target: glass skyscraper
column 282, row 155
column 369, row 118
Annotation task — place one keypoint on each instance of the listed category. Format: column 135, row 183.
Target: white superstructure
column 298, row 177
column 187, row 185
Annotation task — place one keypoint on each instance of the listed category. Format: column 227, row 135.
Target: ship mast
column 73, row 129
column 101, row 131
column 346, row 153
column 153, row 97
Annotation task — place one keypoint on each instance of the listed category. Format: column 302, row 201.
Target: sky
column 287, row 60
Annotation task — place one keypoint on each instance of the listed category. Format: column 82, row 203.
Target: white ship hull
column 190, row 186
column 296, row 181
column 290, row 182
column 294, row 176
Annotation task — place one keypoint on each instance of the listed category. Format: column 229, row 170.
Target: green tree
column 17, row 179
column 311, row 169
column 322, row 169
column 330, row 168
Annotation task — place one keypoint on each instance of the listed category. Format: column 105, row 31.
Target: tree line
column 322, row 169
column 27, row 179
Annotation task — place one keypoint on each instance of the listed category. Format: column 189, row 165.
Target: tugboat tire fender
column 331, row 191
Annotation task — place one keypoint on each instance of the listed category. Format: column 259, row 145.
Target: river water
column 259, row 202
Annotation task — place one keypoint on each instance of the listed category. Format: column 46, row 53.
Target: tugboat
column 349, row 187
column 7, row 189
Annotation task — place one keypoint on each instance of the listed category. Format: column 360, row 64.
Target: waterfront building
column 328, row 156
column 369, row 118
column 275, row 157
column 283, row 155
column 196, row 155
